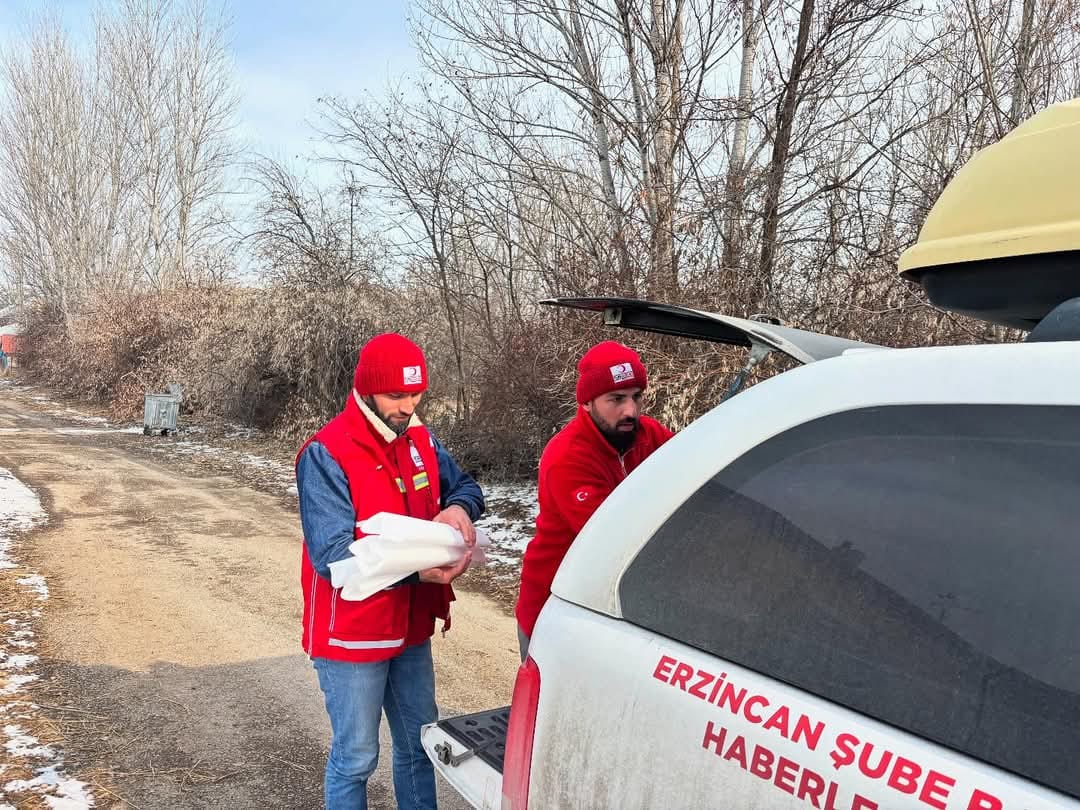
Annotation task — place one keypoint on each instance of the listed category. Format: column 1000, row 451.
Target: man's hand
column 448, row 573
column 458, row 518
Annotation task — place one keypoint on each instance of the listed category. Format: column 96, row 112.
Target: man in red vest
column 582, row 464
column 375, row 655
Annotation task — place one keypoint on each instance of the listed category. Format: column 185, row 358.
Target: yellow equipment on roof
column 1002, row 242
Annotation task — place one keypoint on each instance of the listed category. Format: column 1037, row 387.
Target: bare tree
column 56, row 164
column 115, row 158
column 135, row 40
column 635, row 71
column 201, row 105
column 753, row 15
column 1023, row 51
column 174, row 76
column 408, row 155
column 826, row 73
column 303, row 236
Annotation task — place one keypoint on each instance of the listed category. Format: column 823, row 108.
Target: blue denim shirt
column 326, row 508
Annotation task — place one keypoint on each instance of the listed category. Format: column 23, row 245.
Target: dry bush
column 282, row 357
column 116, row 348
column 312, row 349
column 519, row 400
column 276, row 358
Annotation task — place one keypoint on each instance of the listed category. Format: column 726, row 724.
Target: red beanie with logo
column 606, row 367
column 390, row 364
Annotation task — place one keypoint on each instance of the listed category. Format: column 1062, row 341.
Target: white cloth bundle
column 395, row 547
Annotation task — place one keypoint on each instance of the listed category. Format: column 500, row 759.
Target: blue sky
column 287, row 53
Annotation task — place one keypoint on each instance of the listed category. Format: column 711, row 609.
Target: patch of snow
column 36, row 583
column 21, row 744
column 259, row 461
column 13, row 705
column 20, row 661
column 90, row 420
column 71, row 793
column 190, row 448
column 234, row 431
column 20, row 510
column 230, row 457
column 21, row 638
column 96, row 431
column 510, row 521
column 16, row 682
column 524, row 494
column 78, row 416
column 59, row 791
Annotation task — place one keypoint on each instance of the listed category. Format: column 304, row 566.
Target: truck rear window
column 917, row 564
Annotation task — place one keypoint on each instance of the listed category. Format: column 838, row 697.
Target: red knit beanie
column 390, row 364
column 609, row 366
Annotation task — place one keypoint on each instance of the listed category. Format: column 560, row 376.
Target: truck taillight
column 517, row 762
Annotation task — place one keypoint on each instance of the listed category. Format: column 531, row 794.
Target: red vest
column 384, row 624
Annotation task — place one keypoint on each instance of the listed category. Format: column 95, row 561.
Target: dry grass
column 28, row 706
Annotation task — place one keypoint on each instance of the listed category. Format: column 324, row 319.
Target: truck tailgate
column 467, row 751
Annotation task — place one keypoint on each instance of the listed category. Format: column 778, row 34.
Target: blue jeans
column 356, row 695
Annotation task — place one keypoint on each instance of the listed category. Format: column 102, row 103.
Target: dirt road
column 172, row 631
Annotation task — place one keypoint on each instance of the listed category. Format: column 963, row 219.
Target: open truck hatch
column 667, row 319
column 760, row 337
column 468, row 751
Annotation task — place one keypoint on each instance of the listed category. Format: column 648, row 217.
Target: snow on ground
column 233, row 431
column 282, row 473
column 510, row 522
column 20, row 511
column 76, row 416
column 94, row 431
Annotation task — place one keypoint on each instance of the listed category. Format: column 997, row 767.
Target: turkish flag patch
column 582, row 495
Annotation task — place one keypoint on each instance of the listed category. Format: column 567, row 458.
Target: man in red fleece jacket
column 583, row 463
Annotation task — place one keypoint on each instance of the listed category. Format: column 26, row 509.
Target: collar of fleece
column 381, row 428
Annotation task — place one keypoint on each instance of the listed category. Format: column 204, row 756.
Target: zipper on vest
column 311, row 619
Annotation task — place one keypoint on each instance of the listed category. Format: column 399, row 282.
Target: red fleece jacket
column 578, row 470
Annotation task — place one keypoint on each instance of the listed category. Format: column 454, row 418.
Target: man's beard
column 398, row 428
column 621, row 440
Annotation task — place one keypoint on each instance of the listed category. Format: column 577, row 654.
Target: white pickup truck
column 852, row 586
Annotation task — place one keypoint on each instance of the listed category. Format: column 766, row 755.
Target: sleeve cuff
column 470, row 510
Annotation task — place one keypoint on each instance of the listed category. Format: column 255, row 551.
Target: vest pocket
column 378, row 622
